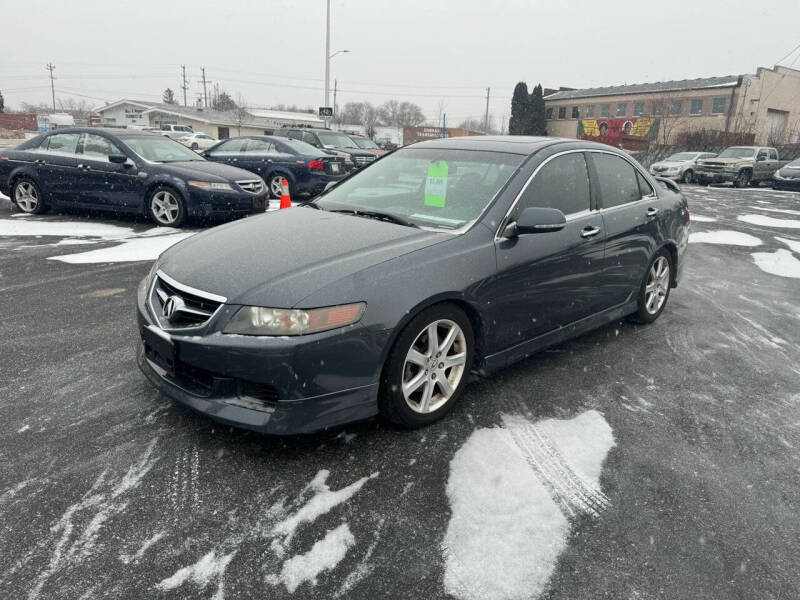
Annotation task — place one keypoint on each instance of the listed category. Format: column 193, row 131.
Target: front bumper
column 783, row 183
column 282, row 386
column 716, row 176
column 204, row 203
column 665, row 175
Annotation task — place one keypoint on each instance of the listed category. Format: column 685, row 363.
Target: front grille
column 363, row 160
column 188, row 307
column 254, row 186
column 712, row 167
column 659, row 169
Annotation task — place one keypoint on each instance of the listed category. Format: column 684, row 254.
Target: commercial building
column 763, row 108
column 217, row 124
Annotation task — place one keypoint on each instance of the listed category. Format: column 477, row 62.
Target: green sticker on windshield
column 436, row 184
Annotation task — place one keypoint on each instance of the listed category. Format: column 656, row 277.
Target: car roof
column 118, row 132
column 515, row 144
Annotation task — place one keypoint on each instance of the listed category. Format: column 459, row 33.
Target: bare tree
column 669, row 109
column 240, row 114
column 389, row 112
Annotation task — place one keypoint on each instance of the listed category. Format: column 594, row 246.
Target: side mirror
column 536, row 220
column 118, row 159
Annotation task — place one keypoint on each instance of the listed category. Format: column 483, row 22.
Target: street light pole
column 327, row 52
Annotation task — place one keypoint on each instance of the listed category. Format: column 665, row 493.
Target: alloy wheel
column 655, row 291
column 165, row 207
column 434, row 366
column 26, row 196
column 275, row 186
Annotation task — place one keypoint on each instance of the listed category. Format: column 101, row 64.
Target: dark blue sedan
column 383, row 294
column 307, row 169
column 125, row 171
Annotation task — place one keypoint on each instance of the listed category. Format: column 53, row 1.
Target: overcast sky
column 272, row 51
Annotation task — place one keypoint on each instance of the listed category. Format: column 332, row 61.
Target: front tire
column 166, row 207
column 742, row 179
column 428, row 367
column 688, row 176
column 27, row 196
column 655, row 288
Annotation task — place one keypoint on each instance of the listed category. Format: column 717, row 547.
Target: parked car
column 381, row 295
column 740, row 165
column 787, row 177
column 307, row 169
column 367, row 144
column 197, row 141
column 332, row 142
column 125, row 170
column 680, row 166
column 175, row 131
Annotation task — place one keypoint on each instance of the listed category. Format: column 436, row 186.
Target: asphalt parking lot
column 635, row 462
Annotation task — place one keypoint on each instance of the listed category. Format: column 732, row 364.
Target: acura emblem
column 172, row 307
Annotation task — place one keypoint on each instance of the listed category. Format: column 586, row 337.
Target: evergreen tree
column 518, row 124
column 223, row 102
column 2, row 103
column 537, row 123
column 168, row 96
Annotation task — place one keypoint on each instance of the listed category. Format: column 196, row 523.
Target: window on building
column 605, row 110
column 562, row 183
column 562, row 112
column 548, row 114
column 617, row 178
column 675, row 107
column 638, row 109
column 718, row 106
column 697, row 106
column 576, row 113
column 589, row 111
column 622, row 109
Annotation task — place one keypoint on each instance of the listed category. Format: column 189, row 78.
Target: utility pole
column 327, row 51
column 51, row 67
column 486, row 117
column 335, row 86
column 184, row 87
column 205, row 95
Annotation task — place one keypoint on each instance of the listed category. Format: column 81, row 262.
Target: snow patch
column 732, row 238
column 324, row 555
column 702, row 218
column 147, row 248
column 70, row 229
column 201, row 573
column 512, row 491
column 23, row 429
column 765, row 221
column 127, row 558
column 781, row 263
column 793, row 244
column 778, row 210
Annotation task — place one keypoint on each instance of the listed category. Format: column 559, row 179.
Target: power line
column 788, row 55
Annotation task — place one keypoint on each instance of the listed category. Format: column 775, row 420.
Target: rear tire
column 274, row 184
column 165, row 206
column 27, row 196
column 421, row 381
column 195, row 146
column 654, row 292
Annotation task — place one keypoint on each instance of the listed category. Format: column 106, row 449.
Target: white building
column 217, row 124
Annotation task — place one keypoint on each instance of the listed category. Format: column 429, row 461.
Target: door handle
column 80, row 165
column 590, row 232
column 652, row 212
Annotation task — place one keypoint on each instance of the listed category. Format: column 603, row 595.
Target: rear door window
column 562, row 183
column 61, row 143
column 230, row 147
column 617, row 178
column 259, row 147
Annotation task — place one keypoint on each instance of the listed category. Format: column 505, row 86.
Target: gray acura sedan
column 382, row 296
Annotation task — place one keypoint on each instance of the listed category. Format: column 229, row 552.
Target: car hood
column 209, row 170
column 279, row 258
column 792, row 172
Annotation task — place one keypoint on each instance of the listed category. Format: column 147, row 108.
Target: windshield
column 737, row 153
column 682, row 156
column 443, row 189
column 365, row 143
column 336, row 140
column 301, row 147
column 794, row 163
column 160, row 149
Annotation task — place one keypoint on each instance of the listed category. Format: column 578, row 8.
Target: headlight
column 210, row 185
column 150, row 276
column 255, row 320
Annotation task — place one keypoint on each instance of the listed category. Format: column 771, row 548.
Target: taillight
column 316, row 165
column 3, row 159
column 687, row 215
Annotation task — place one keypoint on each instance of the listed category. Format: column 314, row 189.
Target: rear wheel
column 195, row 146
column 27, row 196
column 655, row 288
column 428, row 367
column 275, row 185
column 166, row 207
column 742, row 179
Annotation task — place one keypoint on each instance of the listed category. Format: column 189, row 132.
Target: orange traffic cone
column 286, row 201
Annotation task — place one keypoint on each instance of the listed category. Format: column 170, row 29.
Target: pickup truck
column 740, row 165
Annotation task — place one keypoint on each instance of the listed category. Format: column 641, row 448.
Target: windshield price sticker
column 436, row 184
